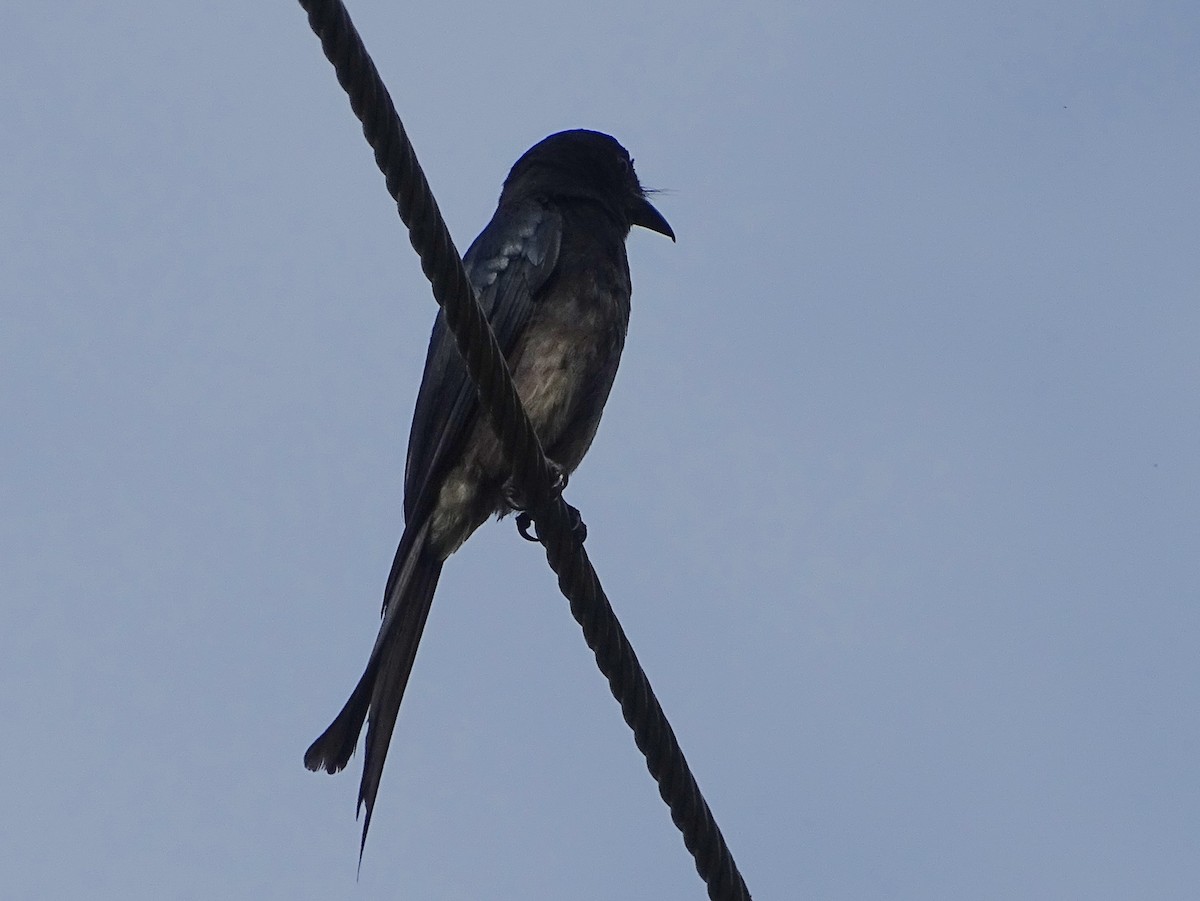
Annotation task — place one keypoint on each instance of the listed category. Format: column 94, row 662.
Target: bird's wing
column 507, row 264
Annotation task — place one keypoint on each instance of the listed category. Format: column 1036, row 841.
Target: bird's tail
column 379, row 691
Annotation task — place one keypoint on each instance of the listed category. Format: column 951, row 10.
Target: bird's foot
column 520, row 505
column 577, row 525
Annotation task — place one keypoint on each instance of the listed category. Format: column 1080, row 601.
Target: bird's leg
column 519, row 503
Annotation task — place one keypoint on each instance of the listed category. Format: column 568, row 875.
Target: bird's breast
column 567, row 359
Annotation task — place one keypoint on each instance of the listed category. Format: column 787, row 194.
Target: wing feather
column 508, row 264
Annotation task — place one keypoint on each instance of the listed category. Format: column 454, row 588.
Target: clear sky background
column 897, row 495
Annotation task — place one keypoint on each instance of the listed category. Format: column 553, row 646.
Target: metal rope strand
column 653, row 734
column 533, row 474
column 431, row 240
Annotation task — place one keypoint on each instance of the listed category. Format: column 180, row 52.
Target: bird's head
column 585, row 165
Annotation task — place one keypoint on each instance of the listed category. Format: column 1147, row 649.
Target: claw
column 560, row 477
column 578, row 526
column 524, row 523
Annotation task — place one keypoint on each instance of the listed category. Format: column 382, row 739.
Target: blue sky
column 896, row 495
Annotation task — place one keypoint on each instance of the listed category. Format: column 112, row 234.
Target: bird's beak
column 645, row 215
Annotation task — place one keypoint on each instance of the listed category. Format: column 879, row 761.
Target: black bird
column 552, row 276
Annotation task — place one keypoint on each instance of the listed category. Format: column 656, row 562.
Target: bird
column 551, row 273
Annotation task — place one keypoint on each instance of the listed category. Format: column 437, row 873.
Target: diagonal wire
column 533, row 475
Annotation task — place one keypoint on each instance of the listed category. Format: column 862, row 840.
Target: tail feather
column 391, row 679
column 335, row 746
column 380, row 689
